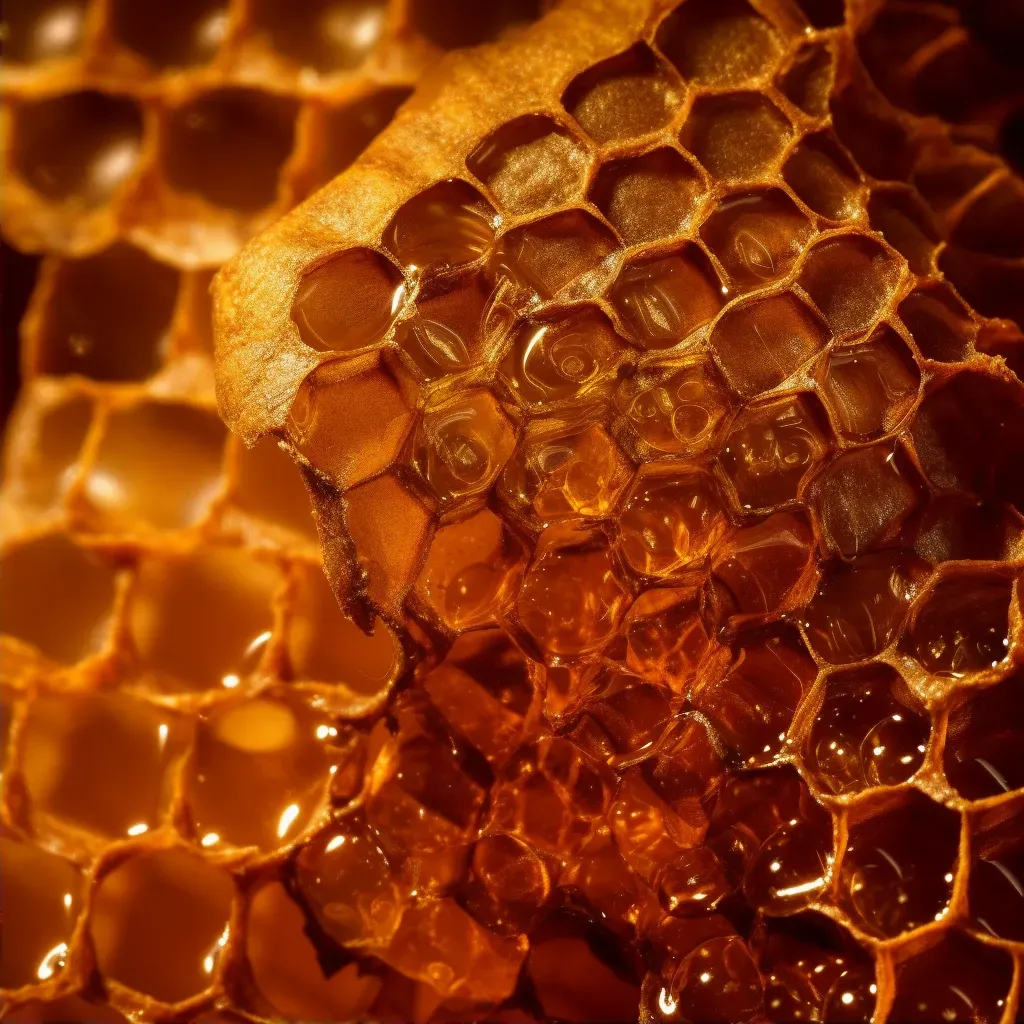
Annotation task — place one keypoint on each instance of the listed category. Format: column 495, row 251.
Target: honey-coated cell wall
column 633, row 410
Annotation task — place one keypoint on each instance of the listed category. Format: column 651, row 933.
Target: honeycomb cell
column 548, row 255
column 791, row 869
column 996, row 893
column 991, row 223
column 350, row 419
column 159, row 922
column 96, row 326
column 739, row 136
column 348, row 302
column 719, row 44
column 446, row 226
column 624, row 97
column 958, row 979
column 761, row 343
column 860, row 606
column 648, row 197
column 633, row 714
column 531, row 163
column 43, row 31
column 821, row 174
column 662, row 300
column 210, row 138
column 666, row 636
column 324, row 35
column 219, row 593
column 956, row 526
column 984, row 755
column 807, row 82
column 670, row 520
column 128, row 488
column 56, row 596
column 757, row 236
column 64, row 1010
column 716, row 982
column 268, row 487
column 471, row 572
column 182, row 36
column 514, row 881
column 868, row 388
column 939, row 323
column 875, row 139
column 751, row 706
column 451, row 24
column 558, row 359
column 863, row 498
column 770, row 450
column 42, row 896
column 907, row 225
column 102, row 762
column 78, row 148
column 897, row 871
column 850, row 279
column 868, row 731
column 573, row 595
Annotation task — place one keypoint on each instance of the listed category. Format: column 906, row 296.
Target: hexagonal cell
column 348, row 302
column 219, row 593
column 716, row 125
column 991, row 284
column 869, row 388
column 957, row 979
column 984, row 752
column 42, row 898
column 180, row 36
column 939, row 323
column 472, row 572
column 79, row 147
column 325, row 35
column 210, row 139
column 751, row 707
column 268, row 486
column 907, row 224
column 350, row 419
column 530, row 163
column 444, row 226
column 717, row 980
column 719, row 44
column 109, row 316
column 127, row 486
column 159, row 922
column 100, row 761
column 758, row 344
column 993, row 221
column 897, row 871
column 624, row 97
column 56, row 596
column 64, row 1010
column 869, row 731
column 43, row 30
column 457, row 23
column 663, row 299
column 667, row 638
column 770, row 450
column 850, row 279
column 862, row 498
column 648, row 197
column 572, row 597
column 996, row 894
column 956, row 526
column 807, row 82
column 757, row 236
column 550, row 254
column 821, row 174
column 670, row 519
column 875, row 138
column 560, row 359
column 860, row 606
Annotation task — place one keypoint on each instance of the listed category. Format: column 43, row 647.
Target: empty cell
column 661, row 301
column 38, row 30
column 446, row 225
column 907, row 225
column 761, row 343
column 718, row 43
column 160, row 921
column 869, row 388
column 874, row 137
column 41, row 895
column 991, row 284
column 100, row 761
column 624, row 97
column 957, row 526
column 850, row 279
column 531, row 163
column 268, row 485
column 220, row 594
column 807, row 82
column 452, row 24
column 821, row 174
column 181, row 35
column 128, row 486
column 79, row 147
column 47, row 469
column 57, row 596
column 996, row 896
column 348, row 302
column 228, row 147
column 648, row 197
column 325, row 35
column 737, row 136
column 994, row 221
column 940, row 324
column 109, row 317
column 757, row 236
column 347, row 130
